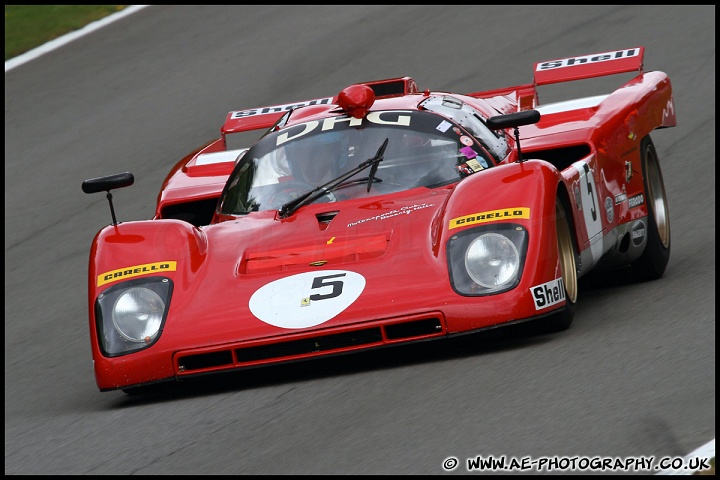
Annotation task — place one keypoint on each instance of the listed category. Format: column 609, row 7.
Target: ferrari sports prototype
column 380, row 216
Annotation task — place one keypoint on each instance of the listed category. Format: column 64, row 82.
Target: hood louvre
column 331, row 251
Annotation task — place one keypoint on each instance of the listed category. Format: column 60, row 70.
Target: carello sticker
column 135, row 271
column 490, row 216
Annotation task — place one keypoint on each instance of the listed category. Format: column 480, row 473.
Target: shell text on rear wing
column 589, row 66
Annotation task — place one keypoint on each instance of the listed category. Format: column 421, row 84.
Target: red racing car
column 380, row 216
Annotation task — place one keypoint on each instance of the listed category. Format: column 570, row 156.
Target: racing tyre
column 651, row 264
column 568, row 265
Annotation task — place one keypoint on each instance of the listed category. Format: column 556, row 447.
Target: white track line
column 706, row 451
column 60, row 41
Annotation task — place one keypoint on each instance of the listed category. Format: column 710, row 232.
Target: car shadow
column 509, row 337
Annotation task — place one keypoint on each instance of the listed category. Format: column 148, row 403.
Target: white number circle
column 306, row 299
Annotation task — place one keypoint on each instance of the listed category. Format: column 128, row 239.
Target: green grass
column 29, row 26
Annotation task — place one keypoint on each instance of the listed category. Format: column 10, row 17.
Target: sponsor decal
column 306, row 299
column 490, row 216
column 638, row 233
column 588, row 59
column 620, row 198
column 609, row 209
column 406, row 210
column 636, row 200
column 393, row 117
column 278, row 108
column 465, row 140
column 468, row 152
column 470, row 167
column 135, row 271
column 548, row 294
column 444, row 125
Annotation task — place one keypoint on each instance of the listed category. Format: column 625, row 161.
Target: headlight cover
column 130, row 316
column 488, row 259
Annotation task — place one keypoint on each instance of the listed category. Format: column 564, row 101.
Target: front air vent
column 413, row 329
column 207, row 360
column 310, row 345
column 197, row 212
column 561, row 157
column 239, row 356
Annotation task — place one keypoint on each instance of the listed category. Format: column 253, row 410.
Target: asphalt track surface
column 633, row 377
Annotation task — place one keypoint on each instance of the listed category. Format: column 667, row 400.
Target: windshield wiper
column 291, row 207
column 373, row 170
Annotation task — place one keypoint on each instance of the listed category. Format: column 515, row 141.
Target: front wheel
column 568, row 266
column 654, row 259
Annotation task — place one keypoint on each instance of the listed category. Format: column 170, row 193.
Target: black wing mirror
column 107, row 183
column 514, row 120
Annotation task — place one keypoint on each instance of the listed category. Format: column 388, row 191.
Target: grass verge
column 29, row 26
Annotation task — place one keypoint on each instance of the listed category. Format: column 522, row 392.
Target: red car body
column 334, row 277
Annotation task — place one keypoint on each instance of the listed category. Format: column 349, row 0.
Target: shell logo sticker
column 306, row 299
column 548, row 294
column 135, row 271
column 491, row 216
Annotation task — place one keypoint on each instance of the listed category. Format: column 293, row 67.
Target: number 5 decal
column 590, row 191
column 320, row 282
column 306, row 299
column 588, row 200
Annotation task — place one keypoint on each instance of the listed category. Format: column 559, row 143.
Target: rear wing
column 589, row 66
column 524, row 97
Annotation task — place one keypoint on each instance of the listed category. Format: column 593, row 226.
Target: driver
column 317, row 159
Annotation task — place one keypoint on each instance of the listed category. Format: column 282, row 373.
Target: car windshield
column 423, row 150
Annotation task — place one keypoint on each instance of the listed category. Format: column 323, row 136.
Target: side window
column 496, row 144
column 468, row 117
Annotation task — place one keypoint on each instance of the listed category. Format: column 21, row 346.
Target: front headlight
column 492, row 260
column 487, row 259
column 130, row 316
column 138, row 313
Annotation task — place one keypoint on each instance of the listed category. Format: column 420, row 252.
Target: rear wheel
column 568, row 266
column 654, row 259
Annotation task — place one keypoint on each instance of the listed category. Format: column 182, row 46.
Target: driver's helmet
column 317, row 159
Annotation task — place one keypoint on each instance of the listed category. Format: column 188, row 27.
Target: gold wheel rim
column 566, row 253
column 657, row 200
